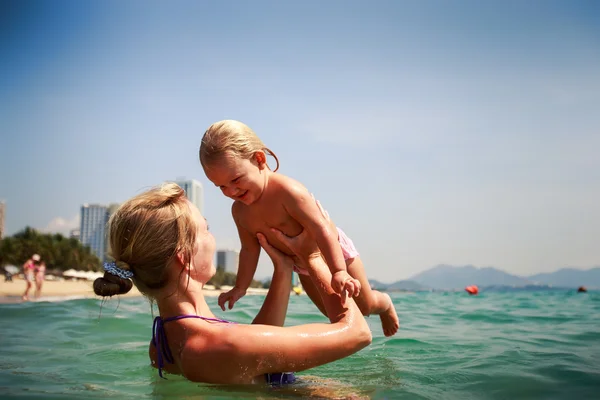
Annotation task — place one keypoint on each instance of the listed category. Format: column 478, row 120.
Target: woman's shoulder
column 210, row 351
column 204, row 337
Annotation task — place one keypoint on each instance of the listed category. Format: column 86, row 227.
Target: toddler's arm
column 248, row 262
column 303, row 208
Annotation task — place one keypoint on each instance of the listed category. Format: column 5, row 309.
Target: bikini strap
column 159, row 338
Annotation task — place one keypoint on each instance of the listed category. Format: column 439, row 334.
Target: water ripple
column 497, row 345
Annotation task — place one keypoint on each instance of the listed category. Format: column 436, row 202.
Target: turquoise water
column 496, row 345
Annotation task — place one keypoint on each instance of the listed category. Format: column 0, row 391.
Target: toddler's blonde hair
column 230, row 137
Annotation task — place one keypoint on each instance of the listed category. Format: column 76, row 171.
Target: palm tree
column 56, row 250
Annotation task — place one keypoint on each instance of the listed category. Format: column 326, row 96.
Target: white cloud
column 62, row 225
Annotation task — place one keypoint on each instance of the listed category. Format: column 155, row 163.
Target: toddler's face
column 238, row 178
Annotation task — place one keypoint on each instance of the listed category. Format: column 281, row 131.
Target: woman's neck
column 182, row 296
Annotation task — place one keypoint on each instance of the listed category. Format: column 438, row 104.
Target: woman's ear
column 181, row 258
column 261, row 158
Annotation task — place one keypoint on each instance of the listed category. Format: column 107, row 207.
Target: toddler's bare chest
column 261, row 219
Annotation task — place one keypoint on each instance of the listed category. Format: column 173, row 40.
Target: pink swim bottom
column 348, row 250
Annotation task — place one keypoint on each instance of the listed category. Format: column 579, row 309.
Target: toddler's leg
column 312, row 292
column 371, row 301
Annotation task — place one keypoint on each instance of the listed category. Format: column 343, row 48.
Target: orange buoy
column 581, row 289
column 472, row 290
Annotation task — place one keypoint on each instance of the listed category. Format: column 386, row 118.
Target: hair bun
column 110, row 284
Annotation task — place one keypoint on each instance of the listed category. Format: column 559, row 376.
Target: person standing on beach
column 235, row 160
column 40, row 274
column 29, row 274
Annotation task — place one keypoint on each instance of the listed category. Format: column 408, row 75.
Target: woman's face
column 204, row 249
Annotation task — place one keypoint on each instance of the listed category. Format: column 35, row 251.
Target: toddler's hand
column 342, row 282
column 352, row 286
column 232, row 296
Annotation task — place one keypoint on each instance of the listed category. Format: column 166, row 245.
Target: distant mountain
column 450, row 277
column 406, row 285
column 569, row 277
column 378, row 285
column 399, row 285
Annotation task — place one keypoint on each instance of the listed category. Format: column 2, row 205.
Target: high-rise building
column 228, row 260
column 2, row 211
column 92, row 230
column 193, row 191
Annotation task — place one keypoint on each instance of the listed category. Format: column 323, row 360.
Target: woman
column 40, row 274
column 29, row 274
column 161, row 243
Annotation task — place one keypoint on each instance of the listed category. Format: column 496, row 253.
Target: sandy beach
column 11, row 292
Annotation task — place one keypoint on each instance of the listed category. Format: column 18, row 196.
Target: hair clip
column 112, row 269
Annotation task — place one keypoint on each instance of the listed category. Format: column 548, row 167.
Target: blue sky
column 462, row 132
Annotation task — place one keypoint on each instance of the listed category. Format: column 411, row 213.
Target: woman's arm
column 240, row 353
column 275, row 306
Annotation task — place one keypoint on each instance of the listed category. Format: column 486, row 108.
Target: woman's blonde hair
column 145, row 234
column 231, row 137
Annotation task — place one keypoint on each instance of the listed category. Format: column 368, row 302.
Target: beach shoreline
column 11, row 292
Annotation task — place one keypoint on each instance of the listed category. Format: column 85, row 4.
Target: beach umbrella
column 91, row 275
column 81, row 274
column 55, row 272
column 70, row 273
column 11, row 269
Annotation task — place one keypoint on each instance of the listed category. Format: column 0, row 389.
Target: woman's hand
column 303, row 246
column 277, row 257
column 274, row 308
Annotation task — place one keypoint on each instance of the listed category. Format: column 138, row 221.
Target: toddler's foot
column 389, row 319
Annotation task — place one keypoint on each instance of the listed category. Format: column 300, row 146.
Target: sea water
column 450, row 346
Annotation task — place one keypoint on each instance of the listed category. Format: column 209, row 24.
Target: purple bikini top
column 159, row 338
